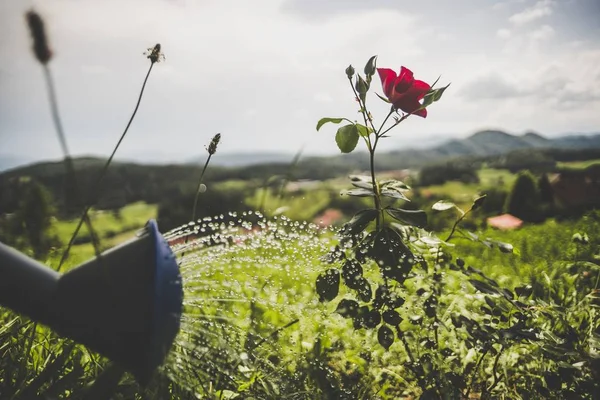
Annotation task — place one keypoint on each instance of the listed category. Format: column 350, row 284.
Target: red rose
column 404, row 91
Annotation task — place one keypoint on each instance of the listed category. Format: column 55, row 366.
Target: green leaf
column 409, row 217
column 385, row 336
column 372, row 319
column 360, row 192
column 391, row 317
column 347, row 308
column 352, row 273
column 505, row 247
column 383, row 98
column 478, row 202
column 364, row 131
column 431, row 240
column 359, row 222
column 433, row 95
column 347, row 138
column 364, row 291
column 361, row 181
column 323, row 121
column 328, row 285
column 395, row 260
column 443, row 205
column 394, row 192
column 394, row 183
column 439, row 93
column 371, row 66
column 484, row 287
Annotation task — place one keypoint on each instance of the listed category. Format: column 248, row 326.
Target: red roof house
column 505, row 222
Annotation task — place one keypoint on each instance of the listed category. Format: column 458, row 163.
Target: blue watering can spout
column 125, row 304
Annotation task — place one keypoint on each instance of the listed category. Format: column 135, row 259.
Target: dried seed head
column 154, row 54
column 212, row 147
column 40, row 41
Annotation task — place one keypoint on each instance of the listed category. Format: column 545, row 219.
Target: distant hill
column 127, row 182
column 491, row 142
column 247, row 159
column 480, row 144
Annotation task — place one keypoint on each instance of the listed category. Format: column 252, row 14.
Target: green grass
column 577, row 164
column 464, row 193
column 112, row 230
column 241, row 288
column 490, row 177
column 301, row 206
column 106, row 223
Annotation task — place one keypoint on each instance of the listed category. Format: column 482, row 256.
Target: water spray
column 125, row 304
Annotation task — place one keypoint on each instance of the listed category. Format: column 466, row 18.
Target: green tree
column 546, row 191
column 524, row 198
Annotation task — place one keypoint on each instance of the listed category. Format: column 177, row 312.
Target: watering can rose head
column 403, row 90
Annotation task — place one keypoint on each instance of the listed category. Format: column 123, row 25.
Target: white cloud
column 491, row 86
column 503, row 33
column 253, row 70
column 323, row 97
column 502, row 5
column 539, row 10
column 542, row 33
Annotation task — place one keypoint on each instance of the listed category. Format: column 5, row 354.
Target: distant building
column 329, row 217
column 504, row 222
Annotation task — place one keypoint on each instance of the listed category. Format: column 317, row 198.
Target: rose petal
column 406, row 74
column 419, row 89
column 409, row 105
column 388, row 77
column 404, row 80
column 421, row 113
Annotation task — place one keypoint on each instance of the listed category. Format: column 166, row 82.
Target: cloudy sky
column 263, row 72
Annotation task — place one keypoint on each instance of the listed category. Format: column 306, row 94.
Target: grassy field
column 577, row 164
column 253, row 326
column 112, row 230
column 464, row 193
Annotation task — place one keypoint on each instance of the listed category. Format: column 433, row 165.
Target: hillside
column 482, row 143
column 130, row 182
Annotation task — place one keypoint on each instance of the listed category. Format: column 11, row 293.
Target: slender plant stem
column 363, row 107
column 475, row 373
column 199, row 186
column 274, row 333
column 456, row 224
column 53, row 100
column 96, row 186
column 212, row 148
column 375, row 187
column 411, row 357
column 384, row 121
column 395, row 124
column 70, row 169
column 371, row 146
column 496, row 376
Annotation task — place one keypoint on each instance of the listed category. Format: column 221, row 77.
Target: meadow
column 253, row 325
